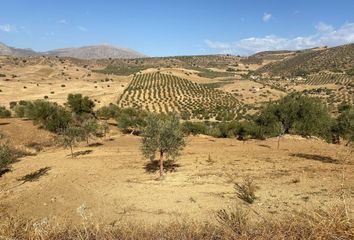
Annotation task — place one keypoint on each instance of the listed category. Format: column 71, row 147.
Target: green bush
column 6, row 157
column 131, row 120
column 50, row 115
column 107, row 112
column 4, row 113
column 79, row 104
column 295, row 114
column 194, row 128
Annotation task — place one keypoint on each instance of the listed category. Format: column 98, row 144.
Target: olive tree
column 70, row 136
column 162, row 135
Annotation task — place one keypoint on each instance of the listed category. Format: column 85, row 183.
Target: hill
column 18, row 52
column 86, row 52
column 336, row 59
column 168, row 93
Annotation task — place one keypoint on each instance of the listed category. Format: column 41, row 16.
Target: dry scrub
column 332, row 224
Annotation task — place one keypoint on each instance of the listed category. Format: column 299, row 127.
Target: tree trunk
column 278, row 141
column 72, row 153
column 161, row 163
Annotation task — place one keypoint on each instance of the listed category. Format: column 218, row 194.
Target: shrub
column 79, row 104
column 70, row 136
column 50, row 115
column 131, row 120
column 246, row 190
column 107, row 112
column 6, row 157
column 295, row 114
column 194, row 128
column 4, row 113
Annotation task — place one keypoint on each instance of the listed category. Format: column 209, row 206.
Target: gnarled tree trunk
column 161, row 163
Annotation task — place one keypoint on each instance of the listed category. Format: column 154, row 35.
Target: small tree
column 90, row 128
column 345, row 123
column 162, row 134
column 79, row 104
column 70, row 136
column 6, row 157
column 4, row 113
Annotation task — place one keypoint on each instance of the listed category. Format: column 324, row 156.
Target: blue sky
column 183, row 27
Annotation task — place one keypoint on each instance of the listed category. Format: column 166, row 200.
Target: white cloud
column 63, row 21
column 81, row 28
column 8, row 28
column 266, row 17
column 325, row 35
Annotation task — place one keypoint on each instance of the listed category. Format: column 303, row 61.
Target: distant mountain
column 334, row 59
column 87, row 52
column 18, row 52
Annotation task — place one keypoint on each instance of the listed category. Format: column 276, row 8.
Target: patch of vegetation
column 121, row 70
column 162, row 135
column 203, row 72
column 4, row 113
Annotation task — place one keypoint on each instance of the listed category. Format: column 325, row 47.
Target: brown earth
column 111, row 181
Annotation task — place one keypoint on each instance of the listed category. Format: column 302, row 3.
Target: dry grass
column 237, row 224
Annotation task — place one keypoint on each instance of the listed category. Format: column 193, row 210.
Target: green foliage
column 295, row 114
column 194, row 128
column 131, row 120
column 121, row 71
column 79, row 104
column 350, row 72
column 345, row 123
column 107, row 112
column 50, row 115
column 20, row 111
column 162, row 134
column 70, row 136
column 6, row 157
column 4, row 113
column 90, row 128
column 203, row 72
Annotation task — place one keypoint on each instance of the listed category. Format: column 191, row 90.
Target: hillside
column 167, row 93
column 18, row 52
column 86, row 52
column 336, row 59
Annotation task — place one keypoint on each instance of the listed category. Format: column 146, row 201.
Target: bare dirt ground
column 31, row 82
column 111, row 181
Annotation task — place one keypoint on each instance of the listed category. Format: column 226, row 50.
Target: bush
column 194, row 128
column 79, row 104
column 131, row 120
column 246, row 190
column 6, row 157
column 4, row 113
column 345, row 124
column 107, row 112
column 50, row 115
column 295, row 114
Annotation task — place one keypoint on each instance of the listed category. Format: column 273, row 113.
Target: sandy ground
column 56, row 82
column 111, row 181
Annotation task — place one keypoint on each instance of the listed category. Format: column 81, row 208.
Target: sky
column 179, row 27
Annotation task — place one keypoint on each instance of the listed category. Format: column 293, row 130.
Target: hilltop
column 86, row 52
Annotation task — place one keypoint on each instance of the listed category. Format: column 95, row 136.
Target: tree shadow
column 263, row 145
column 4, row 123
column 168, row 166
column 315, row 157
column 97, row 144
column 31, row 177
column 79, row 153
column 2, row 172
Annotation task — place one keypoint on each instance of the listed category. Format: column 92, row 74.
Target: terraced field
column 168, row 93
column 320, row 79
